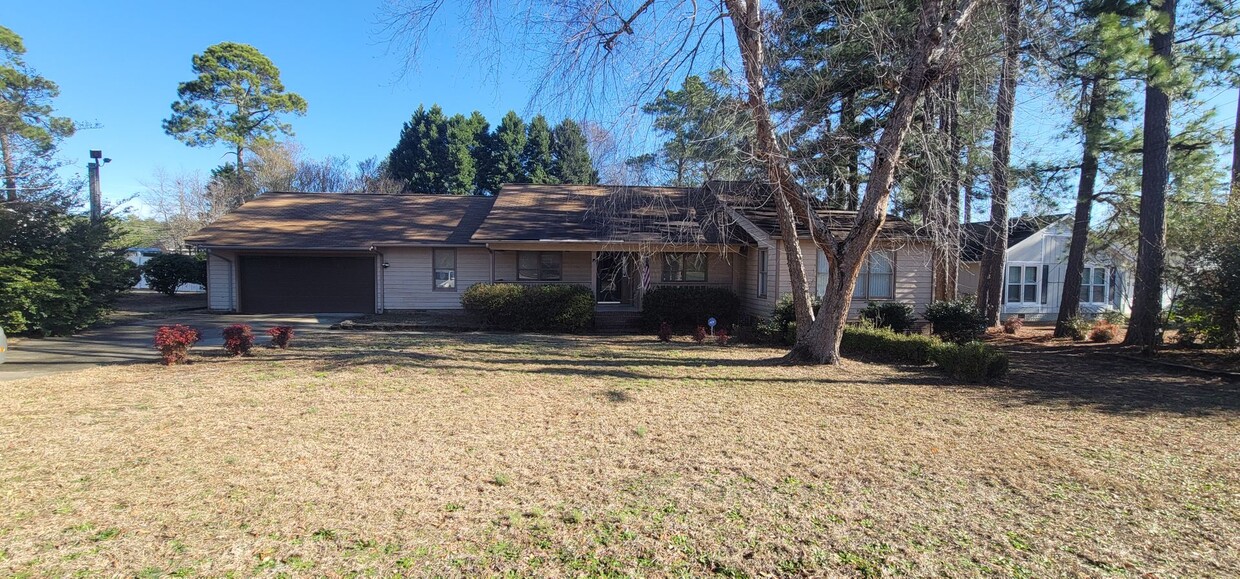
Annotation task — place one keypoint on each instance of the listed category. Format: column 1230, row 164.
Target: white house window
column 445, row 268
column 1022, row 284
column 684, row 267
column 821, row 273
column 877, row 278
column 539, row 265
column 1094, row 285
column 762, row 273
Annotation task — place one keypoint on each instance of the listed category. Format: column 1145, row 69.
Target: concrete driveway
column 131, row 339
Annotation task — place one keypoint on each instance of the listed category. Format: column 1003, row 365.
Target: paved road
column 130, row 340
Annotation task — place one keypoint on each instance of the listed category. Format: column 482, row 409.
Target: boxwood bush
column 956, row 321
column 885, row 345
column 687, row 307
column 552, row 308
column 895, row 315
column 971, row 362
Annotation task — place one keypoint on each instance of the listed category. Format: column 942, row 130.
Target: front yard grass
column 468, row 454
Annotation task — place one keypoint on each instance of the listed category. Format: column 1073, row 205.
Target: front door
column 611, row 278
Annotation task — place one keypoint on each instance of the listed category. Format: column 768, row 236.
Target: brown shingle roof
column 346, row 221
column 754, row 202
column 603, row 213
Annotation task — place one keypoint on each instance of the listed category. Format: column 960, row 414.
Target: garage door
column 272, row 284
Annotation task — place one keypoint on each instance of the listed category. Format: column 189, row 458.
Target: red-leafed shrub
column 281, row 336
column 238, row 340
column 699, row 334
column 173, row 342
column 665, row 332
column 1012, row 325
column 1102, row 332
column 722, row 337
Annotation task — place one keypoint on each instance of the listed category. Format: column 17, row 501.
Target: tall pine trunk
column 946, row 216
column 1145, row 327
column 1095, row 112
column 990, row 278
column 10, row 169
column 1233, row 198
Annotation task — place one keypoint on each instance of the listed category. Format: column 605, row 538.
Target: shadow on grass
column 1083, row 377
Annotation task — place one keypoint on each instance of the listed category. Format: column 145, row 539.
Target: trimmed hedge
column 553, row 308
column 958, row 321
column 973, row 362
column 885, row 345
column 687, row 307
column 167, row 271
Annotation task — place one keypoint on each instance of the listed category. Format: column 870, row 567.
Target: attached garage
column 288, row 284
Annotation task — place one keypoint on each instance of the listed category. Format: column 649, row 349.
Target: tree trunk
column 990, row 278
column 946, row 207
column 10, row 169
column 1144, row 328
column 747, row 21
column 1095, row 113
column 967, row 193
column 1233, row 198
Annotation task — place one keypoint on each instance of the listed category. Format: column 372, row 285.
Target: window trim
column 435, row 270
column 864, row 276
column 1023, row 284
column 538, row 256
column 1088, row 283
column 763, row 262
column 664, row 276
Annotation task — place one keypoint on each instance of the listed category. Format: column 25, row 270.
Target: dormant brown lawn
column 482, row 454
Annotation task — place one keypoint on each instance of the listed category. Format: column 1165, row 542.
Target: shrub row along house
column 331, row 252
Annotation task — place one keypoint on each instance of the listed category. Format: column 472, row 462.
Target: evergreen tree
column 461, row 143
column 28, row 129
column 418, row 158
column 536, row 160
column 708, row 133
column 501, row 162
column 570, row 159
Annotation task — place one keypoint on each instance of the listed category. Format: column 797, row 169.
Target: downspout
column 382, row 290
column 491, row 253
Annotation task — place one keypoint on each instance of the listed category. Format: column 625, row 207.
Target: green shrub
column 687, row 307
column 167, row 271
column 1077, row 328
column 885, row 345
column 781, row 327
column 507, row 306
column 956, row 321
column 972, row 362
column 895, row 315
column 59, row 272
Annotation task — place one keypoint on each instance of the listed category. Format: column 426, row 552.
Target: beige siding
column 408, row 281
column 221, row 281
column 914, row 280
column 577, row 267
column 748, row 286
column 966, row 280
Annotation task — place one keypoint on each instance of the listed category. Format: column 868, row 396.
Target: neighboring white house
column 140, row 255
column 1035, row 265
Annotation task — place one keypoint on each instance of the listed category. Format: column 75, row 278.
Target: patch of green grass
column 104, row 535
column 572, row 516
column 453, row 507
column 324, row 535
column 501, row 480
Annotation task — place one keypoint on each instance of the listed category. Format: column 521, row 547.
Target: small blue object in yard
column 711, row 322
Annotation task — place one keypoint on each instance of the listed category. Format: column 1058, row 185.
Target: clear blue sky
column 118, row 64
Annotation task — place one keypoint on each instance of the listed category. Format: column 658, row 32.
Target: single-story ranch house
column 333, row 252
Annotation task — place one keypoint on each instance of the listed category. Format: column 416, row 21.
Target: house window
column 539, row 265
column 762, row 273
column 445, row 268
column 1094, row 285
column 821, row 274
column 877, row 278
column 684, row 267
column 1022, row 284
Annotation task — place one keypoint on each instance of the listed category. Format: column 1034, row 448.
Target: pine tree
column 461, row 143
column 419, row 156
column 570, row 159
column 500, row 161
column 536, row 160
